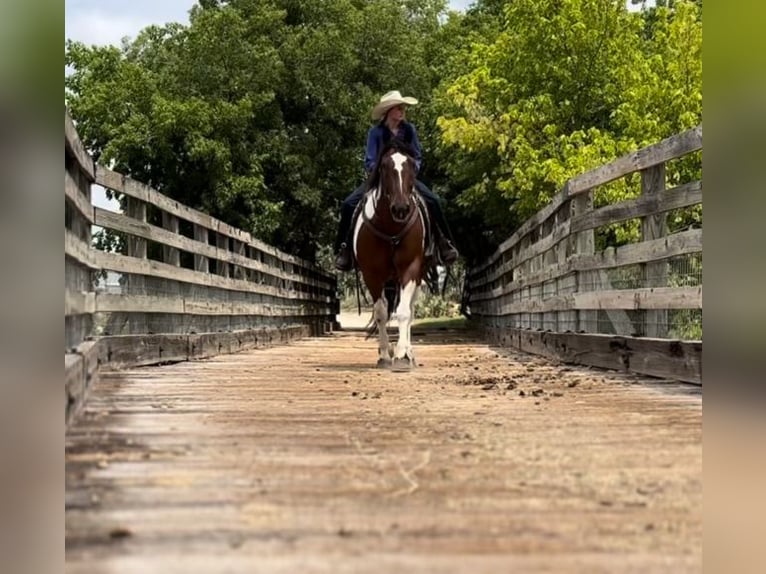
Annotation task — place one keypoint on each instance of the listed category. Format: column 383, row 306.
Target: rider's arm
column 372, row 150
column 416, row 148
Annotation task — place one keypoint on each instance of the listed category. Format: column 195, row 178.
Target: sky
column 104, row 22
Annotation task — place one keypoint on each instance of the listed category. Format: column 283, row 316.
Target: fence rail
column 176, row 283
column 548, row 290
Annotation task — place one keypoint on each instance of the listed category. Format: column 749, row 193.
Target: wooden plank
column 655, row 227
column 79, row 303
column 209, row 307
column 675, row 245
column 139, row 350
column 137, row 251
column 683, row 243
column 273, row 460
column 221, row 264
column 670, row 148
column 643, row 298
column 660, row 298
column 582, row 243
column 78, row 199
column 125, row 264
column 170, row 255
column 76, row 148
column 673, row 359
column 109, row 303
column 135, row 211
column 143, row 350
column 78, row 250
column 119, row 222
column 74, row 384
column 145, row 193
column 200, row 236
column 558, row 234
column 207, row 345
column 110, row 179
column 80, row 375
column 528, row 226
column 620, row 321
column 675, row 198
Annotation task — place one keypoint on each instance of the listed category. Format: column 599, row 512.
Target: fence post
column 565, row 320
column 654, row 227
column 583, row 243
column 171, row 256
column 200, row 261
column 222, row 242
column 136, row 284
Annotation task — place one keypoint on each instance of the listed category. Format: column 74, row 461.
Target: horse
column 389, row 246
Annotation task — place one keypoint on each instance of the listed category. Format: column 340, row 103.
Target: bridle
column 396, row 239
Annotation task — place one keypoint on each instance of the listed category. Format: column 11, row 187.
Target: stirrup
column 343, row 260
column 448, row 253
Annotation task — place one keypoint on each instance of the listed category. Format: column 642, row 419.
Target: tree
column 564, row 86
column 257, row 111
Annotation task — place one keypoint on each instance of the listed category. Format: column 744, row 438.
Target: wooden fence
column 176, row 284
column 548, row 289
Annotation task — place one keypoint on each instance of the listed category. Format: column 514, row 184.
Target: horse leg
column 380, row 313
column 404, row 359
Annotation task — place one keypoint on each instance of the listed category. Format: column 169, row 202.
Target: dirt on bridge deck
column 305, row 458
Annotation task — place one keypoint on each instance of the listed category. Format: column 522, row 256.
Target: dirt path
column 307, row 459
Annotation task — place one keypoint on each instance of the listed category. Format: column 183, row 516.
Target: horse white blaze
column 405, row 313
column 399, row 160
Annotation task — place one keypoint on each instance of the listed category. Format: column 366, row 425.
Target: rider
column 389, row 113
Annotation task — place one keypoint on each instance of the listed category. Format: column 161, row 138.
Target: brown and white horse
column 389, row 245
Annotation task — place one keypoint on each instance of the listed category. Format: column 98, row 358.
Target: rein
column 393, row 239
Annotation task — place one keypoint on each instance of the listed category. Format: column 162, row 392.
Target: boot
column 447, row 252
column 343, row 260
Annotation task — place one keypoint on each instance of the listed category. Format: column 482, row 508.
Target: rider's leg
column 447, row 251
column 342, row 247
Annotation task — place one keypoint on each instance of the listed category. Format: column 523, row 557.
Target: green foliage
column 256, row 112
column 434, row 305
column 564, row 86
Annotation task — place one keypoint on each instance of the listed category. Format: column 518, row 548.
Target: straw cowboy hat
column 390, row 100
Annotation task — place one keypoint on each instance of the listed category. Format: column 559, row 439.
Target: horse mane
column 393, row 144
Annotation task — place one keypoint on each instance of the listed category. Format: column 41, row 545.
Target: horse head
column 396, row 180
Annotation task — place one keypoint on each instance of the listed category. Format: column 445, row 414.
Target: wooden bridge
column 220, row 421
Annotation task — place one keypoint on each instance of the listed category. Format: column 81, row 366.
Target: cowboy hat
column 390, row 100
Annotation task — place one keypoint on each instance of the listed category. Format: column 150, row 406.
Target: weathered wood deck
column 304, row 458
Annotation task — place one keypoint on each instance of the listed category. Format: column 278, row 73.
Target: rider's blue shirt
column 379, row 135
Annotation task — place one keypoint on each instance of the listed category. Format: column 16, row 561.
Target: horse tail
column 372, row 327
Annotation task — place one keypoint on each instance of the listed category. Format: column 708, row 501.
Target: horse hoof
column 401, row 365
column 383, row 363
